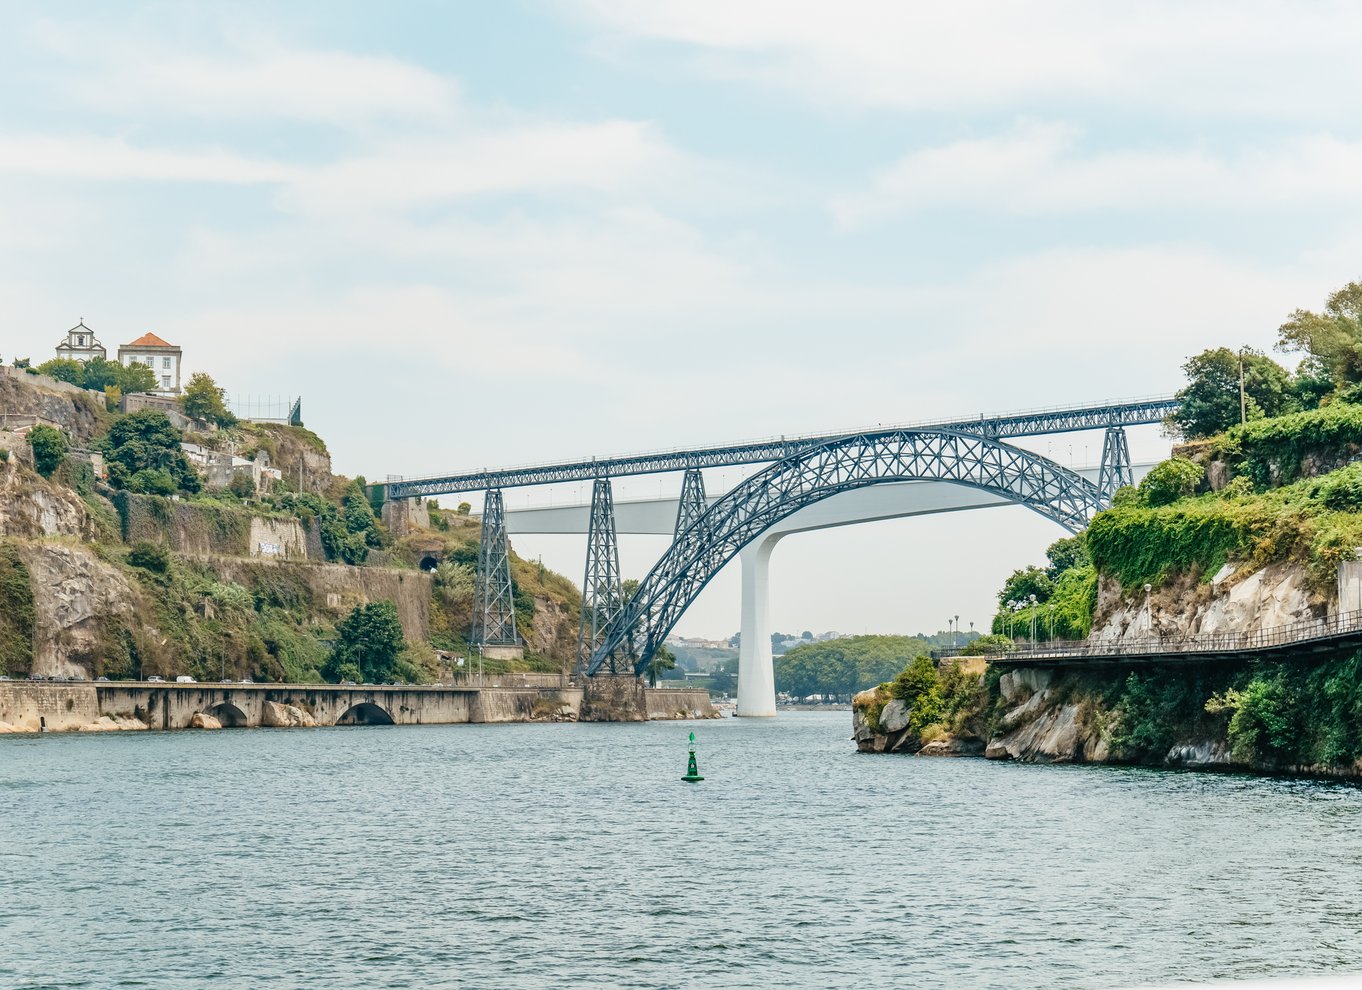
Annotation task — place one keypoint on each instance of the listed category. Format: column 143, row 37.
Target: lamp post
column 479, row 665
column 1243, row 401
column 1033, row 622
column 957, row 630
column 1052, row 619
column 1148, row 612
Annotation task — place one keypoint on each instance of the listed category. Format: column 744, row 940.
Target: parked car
column 156, row 679
column 36, row 677
column 185, row 679
column 347, row 684
column 101, row 678
column 247, row 680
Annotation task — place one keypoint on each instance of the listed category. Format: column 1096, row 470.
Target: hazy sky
column 481, row 233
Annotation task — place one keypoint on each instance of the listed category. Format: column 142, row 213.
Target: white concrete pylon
column 756, row 668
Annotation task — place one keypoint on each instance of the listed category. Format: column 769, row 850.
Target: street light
column 1148, row 612
column 957, row 629
column 1033, row 621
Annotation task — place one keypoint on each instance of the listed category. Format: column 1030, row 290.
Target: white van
column 185, row 679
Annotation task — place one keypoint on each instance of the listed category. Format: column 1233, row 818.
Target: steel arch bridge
column 818, row 472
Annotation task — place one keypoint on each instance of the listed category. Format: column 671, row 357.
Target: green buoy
column 692, row 771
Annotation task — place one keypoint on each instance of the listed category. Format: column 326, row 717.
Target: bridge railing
column 1027, row 422
column 1302, row 632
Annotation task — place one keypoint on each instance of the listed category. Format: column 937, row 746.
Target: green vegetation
column 1065, row 596
column 369, row 642
column 143, row 454
column 1332, row 340
column 16, row 612
column 1210, row 402
column 205, row 401
column 100, row 375
column 150, row 557
column 49, row 448
column 838, row 668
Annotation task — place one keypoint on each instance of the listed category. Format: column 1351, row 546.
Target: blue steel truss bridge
column 619, row 638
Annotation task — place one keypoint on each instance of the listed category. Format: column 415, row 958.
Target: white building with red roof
column 161, row 357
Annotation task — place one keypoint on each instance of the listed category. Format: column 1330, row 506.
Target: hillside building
column 159, row 356
column 81, row 344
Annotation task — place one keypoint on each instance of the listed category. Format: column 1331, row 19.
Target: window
column 165, row 363
column 80, row 341
column 165, row 381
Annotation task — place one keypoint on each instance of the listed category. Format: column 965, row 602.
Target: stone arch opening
column 229, row 715
column 429, row 563
column 366, row 713
column 818, row 472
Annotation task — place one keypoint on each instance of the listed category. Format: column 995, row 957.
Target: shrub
column 1174, row 479
column 149, row 557
column 49, row 448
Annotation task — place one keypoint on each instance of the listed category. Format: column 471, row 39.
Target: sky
column 473, row 234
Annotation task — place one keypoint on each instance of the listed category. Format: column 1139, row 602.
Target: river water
column 549, row 855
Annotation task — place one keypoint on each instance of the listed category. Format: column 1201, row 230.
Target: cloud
column 85, row 157
column 255, row 77
column 1042, row 168
column 551, row 156
column 1253, row 58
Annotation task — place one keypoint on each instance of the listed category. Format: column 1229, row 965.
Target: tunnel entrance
column 366, row 714
column 429, row 563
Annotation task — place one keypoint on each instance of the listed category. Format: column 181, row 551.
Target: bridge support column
column 494, row 623
column 1116, row 471
column 602, row 597
column 693, row 502
column 756, row 668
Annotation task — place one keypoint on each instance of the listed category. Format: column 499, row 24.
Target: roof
column 148, row 339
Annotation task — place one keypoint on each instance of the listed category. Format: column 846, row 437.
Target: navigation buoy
column 692, row 771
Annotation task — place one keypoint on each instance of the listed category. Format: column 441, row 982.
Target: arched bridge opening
column 819, row 472
column 229, row 715
column 366, row 713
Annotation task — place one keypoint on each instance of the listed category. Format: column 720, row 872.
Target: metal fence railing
column 1303, row 632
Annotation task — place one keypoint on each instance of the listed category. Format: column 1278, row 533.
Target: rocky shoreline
column 1046, row 716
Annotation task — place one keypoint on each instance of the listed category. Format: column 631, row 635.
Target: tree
column 102, row 374
column 628, row 588
column 137, row 377
column 143, row 453
column 49, row 448
column 723, row 679
column 1025, row 583
column 1066, row 554
column 370, row 639
column 64, row 370
column 204, row 400
column 1333, row 338
column 663, row 660
column 1210, row 401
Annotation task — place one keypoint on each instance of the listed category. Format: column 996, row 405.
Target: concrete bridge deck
column 72, row 705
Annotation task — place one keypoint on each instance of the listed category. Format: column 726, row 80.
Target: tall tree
column 370, row 639
column 1210, row 401
column 1333, row 338
column 204, row 400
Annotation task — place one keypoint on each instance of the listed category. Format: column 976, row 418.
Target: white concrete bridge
column 657, row 517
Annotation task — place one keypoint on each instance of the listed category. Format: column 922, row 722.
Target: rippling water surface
column 547, row 855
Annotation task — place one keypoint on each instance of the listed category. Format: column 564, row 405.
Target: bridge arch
column 819, row 472
column 366, row 713
column 229, row 715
